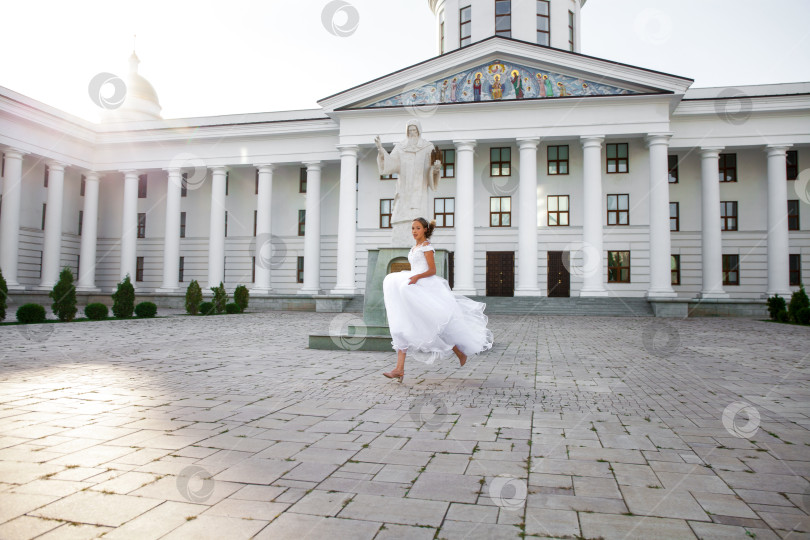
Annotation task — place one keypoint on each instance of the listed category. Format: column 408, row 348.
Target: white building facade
column 563, row 175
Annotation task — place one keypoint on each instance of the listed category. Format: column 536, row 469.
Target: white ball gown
column 426, row 319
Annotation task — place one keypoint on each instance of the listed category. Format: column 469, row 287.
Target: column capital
column 464, row 144
column 348, row 149
column 56, row 165
column 219, row 169
column 589, row 141
column 173, row 170
column 11, row 151
column 658, row 138
column 265, row 167
column 711, row 151
column 312, row 165
column 528, row 142
column 91, row 176
column 129, row 172
column 776, row 149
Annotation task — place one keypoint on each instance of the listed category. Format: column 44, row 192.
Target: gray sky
column 212, row 57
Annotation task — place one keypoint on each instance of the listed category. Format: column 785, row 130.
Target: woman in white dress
column 424, row 316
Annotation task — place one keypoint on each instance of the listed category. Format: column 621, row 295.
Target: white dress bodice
column 417, row 259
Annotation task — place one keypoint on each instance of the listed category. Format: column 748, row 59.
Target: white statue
column 410, row 159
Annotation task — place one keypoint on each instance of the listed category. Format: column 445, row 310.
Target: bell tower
column 553, row 23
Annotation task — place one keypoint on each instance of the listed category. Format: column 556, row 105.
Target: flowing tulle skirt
column 427, row 319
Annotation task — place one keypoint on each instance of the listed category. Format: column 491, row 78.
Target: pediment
column 500, row 69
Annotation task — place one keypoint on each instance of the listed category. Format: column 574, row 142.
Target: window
column 82, row 186
column 81, row 219
column 543, row 23
column 44, row 207
column 675, row 267
column 674, row 216
column 253, row 269
column 142, row 186
column 141, row 225
column 257, row 182
column 465, row 26
column 557, row 210
column 47, row 174
column 184, row 185
column 673, row 169
column 384, row 177
column 227, row 183
column 182, row 224
column 617, row 159
column 618, row 209
column 302, row 219
column 792, row 162
column 731, row 269
column 40, row 265
column 441, row 36
column 226, row 224
column 299, row 271
column 255, row 221
column 500, row 161
column 503, row 18
column 728, row 168
column 302, row 180
column 795, row 270
column 444, row 211
column 181, row 268
column 448, row 163
column 385, row 213
column 139, row 269
column 793, row 215
column 618, row 267
column 558, row 159
column 500, row 211
column 571, row 31
column 728, row 215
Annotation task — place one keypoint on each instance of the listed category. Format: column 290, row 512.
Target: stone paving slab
column 229, row 427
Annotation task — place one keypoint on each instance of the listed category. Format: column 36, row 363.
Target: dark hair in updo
column 428, row 226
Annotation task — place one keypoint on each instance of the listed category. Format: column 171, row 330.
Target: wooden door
column 559, row 278
column 500, row 273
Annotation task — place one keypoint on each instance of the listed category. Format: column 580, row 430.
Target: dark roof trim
column 507, row 39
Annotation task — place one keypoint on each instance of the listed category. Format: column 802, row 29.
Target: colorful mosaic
column 500, row 81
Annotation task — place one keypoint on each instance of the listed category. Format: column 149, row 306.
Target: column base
column 168, row 290
column 88, row 289
column 261, row 291
column 784, row 294
column 586, row 293
column 661, row 293
column 528, row 292
column 344, row 290
column 712, row 294
column 465, row 291
column 44, row 287
column 308, row 291
column 15, row 287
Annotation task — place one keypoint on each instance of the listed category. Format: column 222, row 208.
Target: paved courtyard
column 571, row 427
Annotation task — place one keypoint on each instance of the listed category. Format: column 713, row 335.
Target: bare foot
column 462, row 358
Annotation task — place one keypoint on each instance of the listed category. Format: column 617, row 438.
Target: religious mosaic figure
column 497, row 90
column 517, row 84
column 410, row 159
column 563, row 91
column 477, row 87
column 540, row 85
column 453, row 86
column 549, row 88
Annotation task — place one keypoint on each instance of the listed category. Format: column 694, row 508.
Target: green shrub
column 776, row 308
column 96, row 311
column 232, row 307
column 194, row 297
column 3, row 296
column 241, row 297
column 220, row 297
column 124, row 299
column 146, row 309
column 798, row 302
column 64, row 296
column 206, row 308
column 30, row 313
column 803, row 316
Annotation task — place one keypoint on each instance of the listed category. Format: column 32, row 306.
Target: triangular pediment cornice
column 567, row 65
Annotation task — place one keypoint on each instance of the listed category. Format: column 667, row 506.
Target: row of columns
column 527, row 282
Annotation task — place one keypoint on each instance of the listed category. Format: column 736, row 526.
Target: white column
column 346, row 221
column 592, row 219
column 52, row 244
column 312, row 231
column 87, row 248
column 171, row 234
column 711, row 240
column 527, row 219
column 464, row 257
column 778, row 248
column 129, row 225
column 10, row 218
column 660, row 245
column 216, row 237
column 264, row 246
